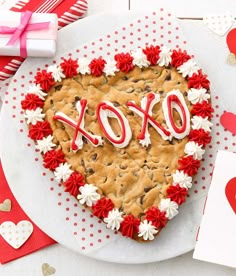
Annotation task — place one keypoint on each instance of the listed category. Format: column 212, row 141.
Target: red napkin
column 67, row 11
column 37, row 240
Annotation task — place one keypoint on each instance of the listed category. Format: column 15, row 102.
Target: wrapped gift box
column 67, row 11
column 28, row 34
column 216, row 237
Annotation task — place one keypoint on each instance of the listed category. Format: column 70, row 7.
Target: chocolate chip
column 121, row 209
column 141, row 199
column 168, row 77
column 89, row 170
column 147, row 88
column 141, row 215
column 147, row 189
column 185, row 94
column 85, row 141
column 77, row 98
column 94, row 157
column 125, row 78
column 58, row 87
column 171, row 142
column 116, row 104
column 123, row 167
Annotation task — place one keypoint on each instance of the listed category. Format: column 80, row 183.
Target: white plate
column 31, row 188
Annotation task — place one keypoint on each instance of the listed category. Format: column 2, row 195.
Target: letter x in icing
column 77, row 141
column 145, row 112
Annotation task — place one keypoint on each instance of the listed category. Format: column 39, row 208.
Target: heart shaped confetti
column 48, row 270
column 6, row 205
column 124, row 136
column 231, row 59
column 228, row 121
column 230, row 192
column 219, row 24
column 16, row 235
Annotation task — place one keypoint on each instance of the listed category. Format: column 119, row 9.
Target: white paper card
column 219, row 24
column 217, row 233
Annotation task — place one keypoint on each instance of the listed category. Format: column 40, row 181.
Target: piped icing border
column 198, row 133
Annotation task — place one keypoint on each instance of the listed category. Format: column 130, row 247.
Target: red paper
column 67, row 11
column 36, row 241
column 228, row 121
column 230, row 192
column 231, row 41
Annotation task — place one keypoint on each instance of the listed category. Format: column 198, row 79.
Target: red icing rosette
column 124, row 62
column 96, row 66
column 157, row 217
column 179, row 57
column 31, row 102
column 129, row 226
column 198, row 80
column 40, row 130
column 203, row 109
column 44, row 79
column 189, row 165
column 52, row 159
column 102, row 207
column 73, row 183
column 177, row 194
column 200, row 136
column 69, row 67
column 152, row 53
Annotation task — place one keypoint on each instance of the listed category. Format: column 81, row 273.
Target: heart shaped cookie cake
column 124, row 136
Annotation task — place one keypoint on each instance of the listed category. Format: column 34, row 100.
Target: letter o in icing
column 107, row 110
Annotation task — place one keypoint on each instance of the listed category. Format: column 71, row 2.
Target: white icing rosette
column 88, row 194
column 45, row 144
column 34, row 116
column 114, row 219
column 181, row 178
column 199, row 122
column 170, row 207
column 198, row 95
column 57, row 72
column 188, row 68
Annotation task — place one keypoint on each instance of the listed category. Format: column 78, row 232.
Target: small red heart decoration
column 231, row 41
column 228, row 121
column 230, row 192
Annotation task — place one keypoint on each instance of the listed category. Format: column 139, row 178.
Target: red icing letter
column 77, row 141
column 175, row 100
column 147, row 104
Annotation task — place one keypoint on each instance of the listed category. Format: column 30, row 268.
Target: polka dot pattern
column 88, row 231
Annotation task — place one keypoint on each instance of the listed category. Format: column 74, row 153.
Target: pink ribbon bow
column 20, row 31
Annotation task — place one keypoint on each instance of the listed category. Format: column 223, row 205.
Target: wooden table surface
column 67, row 262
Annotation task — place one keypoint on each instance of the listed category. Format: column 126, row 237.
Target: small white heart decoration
column 219, row 24
column 16, row 235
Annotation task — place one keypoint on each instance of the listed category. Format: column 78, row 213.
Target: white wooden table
column 70, row 263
